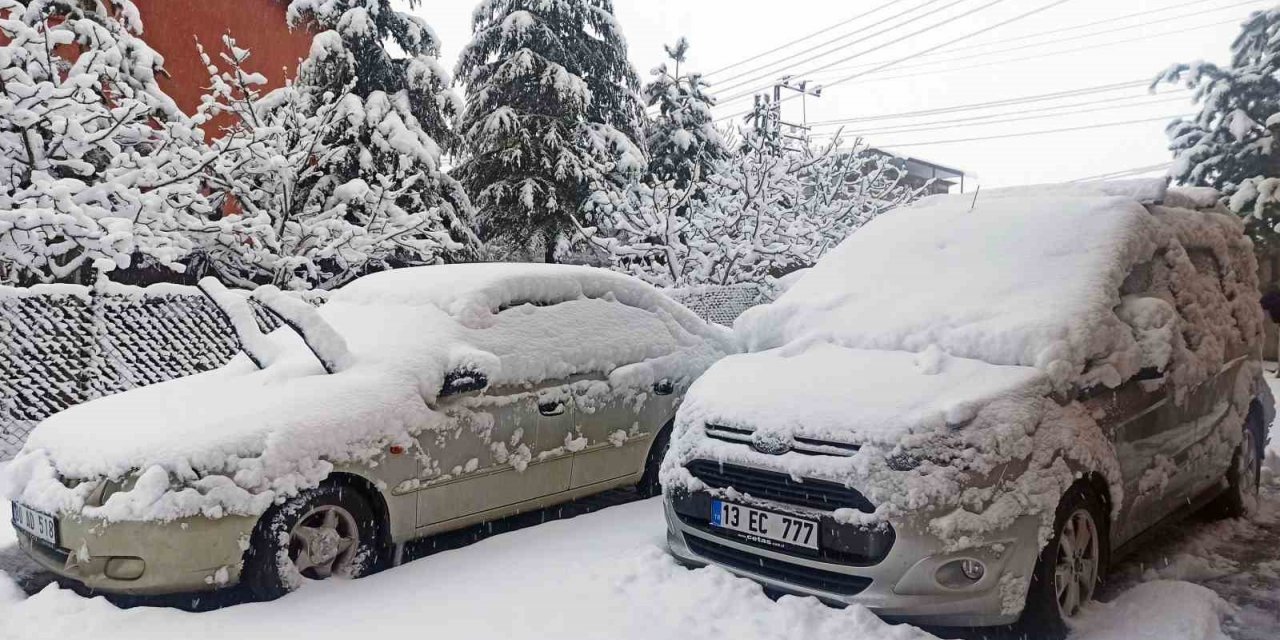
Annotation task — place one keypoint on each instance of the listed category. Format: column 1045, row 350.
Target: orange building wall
column 171, row 27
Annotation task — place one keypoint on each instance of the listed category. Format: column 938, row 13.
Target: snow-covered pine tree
column 98, row 163
column 323, row 185
column 683, row 141
column 552, row 107
column 1232, row 143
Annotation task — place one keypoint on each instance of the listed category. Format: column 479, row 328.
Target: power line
column 962, row 38
column 1070, row 38
column 800, row 39
column 981, row 121
column 912, row 35
column 756, row 77
column 1125, row 173
column 1124, row 41
column 1091, row 102
column 1034, row 133
column 1069, row 93
column 1038, row 56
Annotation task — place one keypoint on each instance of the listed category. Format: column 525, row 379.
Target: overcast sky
column 1012, row 61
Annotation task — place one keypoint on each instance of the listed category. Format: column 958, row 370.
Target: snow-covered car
column 961, row 414
column 411, row 403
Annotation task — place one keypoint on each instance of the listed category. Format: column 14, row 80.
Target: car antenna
column 975, row 198
column 236, row 310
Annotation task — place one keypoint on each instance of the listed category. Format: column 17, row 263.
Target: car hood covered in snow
column 854, row 396
column 235, row 438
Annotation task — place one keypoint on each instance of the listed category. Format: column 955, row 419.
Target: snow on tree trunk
column 552, row 106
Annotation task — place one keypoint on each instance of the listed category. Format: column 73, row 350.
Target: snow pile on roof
column 235, row 438
column 1024, row 276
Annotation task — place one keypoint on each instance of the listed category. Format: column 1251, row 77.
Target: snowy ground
column 604, row 575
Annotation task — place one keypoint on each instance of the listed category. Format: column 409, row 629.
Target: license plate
column 765, row 526
column 38, row 524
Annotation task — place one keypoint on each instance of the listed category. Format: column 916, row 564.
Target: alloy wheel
column 1076, row 571
column 324, row 542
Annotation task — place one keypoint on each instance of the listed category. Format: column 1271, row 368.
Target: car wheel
column 1069, row 568
column 649, row 486
column 1243, row 477
column 320, row 533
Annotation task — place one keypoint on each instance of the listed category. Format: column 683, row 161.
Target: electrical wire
column 800, row 39
column 962, row 38
column 1125, row 173
column 1068, row 93
column 991, row 120
column 756, row 77
column 1091, row 102
column 1035, row 133
column 1143, row 25
column 879, row 47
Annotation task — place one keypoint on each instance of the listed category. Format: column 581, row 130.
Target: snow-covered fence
column 720, row 304
column 61, row 345
column 64, row 344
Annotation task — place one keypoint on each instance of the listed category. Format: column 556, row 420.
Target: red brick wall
column 172, row 26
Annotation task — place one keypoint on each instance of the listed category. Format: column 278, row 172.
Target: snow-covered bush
column 338, row 174
column 98, row 162
column 1231, row 143
column 552, row 106
column 767, row 211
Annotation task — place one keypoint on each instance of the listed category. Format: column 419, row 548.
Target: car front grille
column 799, row 575
column 779, row 487
column 799, row 444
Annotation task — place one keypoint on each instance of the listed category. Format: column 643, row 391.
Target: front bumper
column 187, row 555
column 901, row 586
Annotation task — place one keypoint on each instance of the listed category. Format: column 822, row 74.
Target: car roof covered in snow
column 1027, row 276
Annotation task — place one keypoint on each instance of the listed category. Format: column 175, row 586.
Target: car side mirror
column 463, row 381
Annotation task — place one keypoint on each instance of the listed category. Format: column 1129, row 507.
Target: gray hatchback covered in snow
column 968, row 408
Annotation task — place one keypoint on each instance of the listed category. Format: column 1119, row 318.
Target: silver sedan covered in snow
column 413, row 402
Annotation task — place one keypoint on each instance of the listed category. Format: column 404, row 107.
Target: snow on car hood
column 234, row 439
column 853, row 396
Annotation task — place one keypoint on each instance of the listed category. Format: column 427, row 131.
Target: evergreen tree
column 97, row 162
column 682, row 140
column 1232, row 143
column 552, row 107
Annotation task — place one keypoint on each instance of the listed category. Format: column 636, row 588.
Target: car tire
column 1073, row 562
column 327, row 531
column 1245, row 474
column 649, row 486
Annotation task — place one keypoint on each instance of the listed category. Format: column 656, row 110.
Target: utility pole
column 802, row 87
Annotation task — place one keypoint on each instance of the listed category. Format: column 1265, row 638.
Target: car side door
column 618, row 424
column 501, row 447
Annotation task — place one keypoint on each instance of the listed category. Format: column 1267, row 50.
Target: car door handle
column 551, row 408
column 664, row 388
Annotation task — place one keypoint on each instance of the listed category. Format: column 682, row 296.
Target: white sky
column 977, row 69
